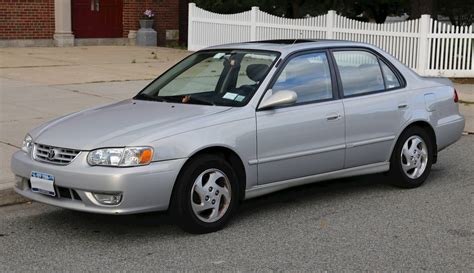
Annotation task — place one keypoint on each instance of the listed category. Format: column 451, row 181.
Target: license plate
column 42, row 183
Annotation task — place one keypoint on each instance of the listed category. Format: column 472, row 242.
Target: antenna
column 301, row 34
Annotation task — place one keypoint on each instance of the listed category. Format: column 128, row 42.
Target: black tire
column 398, row 177
column 181, row 207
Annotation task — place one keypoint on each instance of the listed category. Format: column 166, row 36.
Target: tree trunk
column 295, row 6
column 380, row 17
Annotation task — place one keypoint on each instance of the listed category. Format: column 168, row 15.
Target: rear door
column 306, row 138
column 374, row 103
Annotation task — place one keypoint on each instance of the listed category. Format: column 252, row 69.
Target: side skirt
column 280, row 185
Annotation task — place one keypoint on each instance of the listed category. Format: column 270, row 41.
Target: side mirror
column 283, row 97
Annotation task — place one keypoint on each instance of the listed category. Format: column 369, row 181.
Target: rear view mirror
column 280, row 98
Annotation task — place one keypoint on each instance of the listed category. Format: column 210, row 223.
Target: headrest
column 256, row 72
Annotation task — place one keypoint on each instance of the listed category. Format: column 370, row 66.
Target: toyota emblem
column 51, row 154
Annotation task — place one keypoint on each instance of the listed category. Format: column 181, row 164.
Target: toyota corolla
column 237, row 121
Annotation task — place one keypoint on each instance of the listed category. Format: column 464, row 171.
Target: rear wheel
column 412, row 158
column 206, row 195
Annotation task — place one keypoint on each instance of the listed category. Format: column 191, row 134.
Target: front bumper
column 144, row 188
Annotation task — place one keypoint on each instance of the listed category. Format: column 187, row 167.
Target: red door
column 97, row 18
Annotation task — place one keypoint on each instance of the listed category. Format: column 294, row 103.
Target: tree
column 293, row 8
column 419, row 7
column 460, row 12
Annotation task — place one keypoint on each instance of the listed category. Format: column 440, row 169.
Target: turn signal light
column 146, row 156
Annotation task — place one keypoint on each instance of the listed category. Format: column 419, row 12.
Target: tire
column 205, row 195
column 412, row 158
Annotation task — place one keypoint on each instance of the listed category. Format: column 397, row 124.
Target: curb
column 10, row 197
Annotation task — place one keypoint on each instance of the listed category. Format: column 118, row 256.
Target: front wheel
column 412, row 157
column 206, row 195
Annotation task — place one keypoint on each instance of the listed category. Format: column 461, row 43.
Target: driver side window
column 308, row 75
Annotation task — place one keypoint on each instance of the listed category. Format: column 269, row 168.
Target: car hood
column 120, row 124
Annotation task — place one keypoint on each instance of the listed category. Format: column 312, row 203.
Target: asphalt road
column 352, row 224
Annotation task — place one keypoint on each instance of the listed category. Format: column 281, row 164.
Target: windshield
column 215, row 77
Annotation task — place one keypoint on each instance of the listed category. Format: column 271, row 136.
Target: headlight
column 121, row 157
column 27, row 144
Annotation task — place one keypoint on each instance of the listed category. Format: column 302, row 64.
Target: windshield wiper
column 180, row 98
column 143, row 96
column 201, row 101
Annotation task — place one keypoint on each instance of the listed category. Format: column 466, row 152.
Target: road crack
column 9, row 144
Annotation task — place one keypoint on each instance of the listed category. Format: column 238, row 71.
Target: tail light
column 456, row 98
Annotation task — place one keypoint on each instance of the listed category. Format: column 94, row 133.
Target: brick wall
column 166, row 15
column 26, row 19
column 34, row 19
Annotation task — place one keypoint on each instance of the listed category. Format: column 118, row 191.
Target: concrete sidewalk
column 466, row 105
column 57, row 66
column 39, row 84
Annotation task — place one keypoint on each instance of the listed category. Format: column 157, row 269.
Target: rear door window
column 359, row 72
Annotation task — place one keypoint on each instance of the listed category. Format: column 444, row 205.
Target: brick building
column 70, row 22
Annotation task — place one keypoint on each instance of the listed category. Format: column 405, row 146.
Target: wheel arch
column 427, row 127
column 229, row 155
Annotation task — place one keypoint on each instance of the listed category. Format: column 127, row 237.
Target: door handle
column 403, row 106
column 95, row 5
column 333, row 116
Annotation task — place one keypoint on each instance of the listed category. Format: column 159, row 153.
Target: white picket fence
column 425, row 45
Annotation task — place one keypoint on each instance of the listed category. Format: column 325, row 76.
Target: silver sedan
column 237, row 121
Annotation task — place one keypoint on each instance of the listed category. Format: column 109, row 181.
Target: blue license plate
column 42, row 183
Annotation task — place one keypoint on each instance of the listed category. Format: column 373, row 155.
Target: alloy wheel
column 211, row 195
column 414, row 157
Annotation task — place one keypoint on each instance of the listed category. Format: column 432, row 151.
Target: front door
column 97, row 18
column 306, row 138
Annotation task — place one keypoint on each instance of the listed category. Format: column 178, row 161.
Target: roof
column 287, row 45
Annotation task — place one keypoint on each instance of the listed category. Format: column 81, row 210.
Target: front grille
column 62, row 192
column 54, row 155
column 67, row 193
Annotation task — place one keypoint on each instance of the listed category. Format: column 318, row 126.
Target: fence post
column 253, row 23
column 423, row 49
column 191, row 8
column 330, row 18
